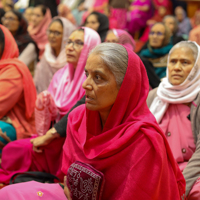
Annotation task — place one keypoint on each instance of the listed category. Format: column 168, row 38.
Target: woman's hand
column 66, row 189
column 44, row 140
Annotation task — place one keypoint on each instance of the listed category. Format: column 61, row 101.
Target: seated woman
column 184, row 25
column 139, row 12
column 54, row 57
column 17, row 25
column 154, row 54
column 175, row 105
column 121, row 37
column 118, row 138
column 40, row 20
column 171, row 22
column 65, row 88
column 162, row 8
column 98, row 22
column 17, row 93
column 64, row 91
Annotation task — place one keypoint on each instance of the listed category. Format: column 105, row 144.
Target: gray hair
column 115, row 58
column 175, row 22
column 187, row 44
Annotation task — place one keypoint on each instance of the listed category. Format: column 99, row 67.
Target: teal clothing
column 160, row 71
column 151, row 53
column 156, row 53
column 10, row 132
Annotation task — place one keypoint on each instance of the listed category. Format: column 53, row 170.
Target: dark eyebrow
column 97, row 71
column 78, row 40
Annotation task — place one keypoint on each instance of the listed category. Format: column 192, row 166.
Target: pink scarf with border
column 66, row 85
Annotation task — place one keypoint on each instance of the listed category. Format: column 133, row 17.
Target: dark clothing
column 154, row 80
column 176, row 39
column 51, row 4
column 61, row 126
column 104, row 24
column 22, row 37
column 2, row 13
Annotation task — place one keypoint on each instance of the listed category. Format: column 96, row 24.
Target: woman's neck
column 56, row 52
column 104, row 116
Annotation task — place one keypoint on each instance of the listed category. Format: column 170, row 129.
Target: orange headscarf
column 9, row 57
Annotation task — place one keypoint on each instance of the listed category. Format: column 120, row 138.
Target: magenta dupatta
column 66, row 85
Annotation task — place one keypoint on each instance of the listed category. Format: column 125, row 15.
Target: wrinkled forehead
column 182, row 53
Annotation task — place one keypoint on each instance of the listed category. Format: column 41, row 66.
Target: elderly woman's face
column 156, row 36
column 37, row 16
column 74, row 47
column 100, row 86
column 55, row 34
column 92, row 22
column 111, row 37
column 181, row 62
column 11, row 22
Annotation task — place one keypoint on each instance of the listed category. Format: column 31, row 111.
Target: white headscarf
column 175, row 94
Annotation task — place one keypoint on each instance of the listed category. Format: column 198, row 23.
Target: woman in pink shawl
column 40, row 20
column 54, row 57
column 121, row 37
column 140, row 12
column 65, row 89
column 116, row 134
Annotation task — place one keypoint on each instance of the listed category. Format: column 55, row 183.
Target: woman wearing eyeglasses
column 17, row 25
column 54, row 57
column 154, row 54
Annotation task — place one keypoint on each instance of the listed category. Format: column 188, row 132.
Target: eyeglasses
column 55, row 33
column 75, row 44
column 157, row 33
column 11, row 19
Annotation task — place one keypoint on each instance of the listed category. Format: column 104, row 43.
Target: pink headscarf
column 131, row 151
column 38, row 33
column 124, row 38
column 66, row 85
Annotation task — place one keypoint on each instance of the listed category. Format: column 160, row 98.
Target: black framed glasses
column 76, row 44
column 157, row 33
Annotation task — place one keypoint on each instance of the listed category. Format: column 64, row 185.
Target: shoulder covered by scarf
column 131, row 150
column 9, row 58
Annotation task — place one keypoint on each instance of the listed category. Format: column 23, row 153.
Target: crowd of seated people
column 102, row 94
